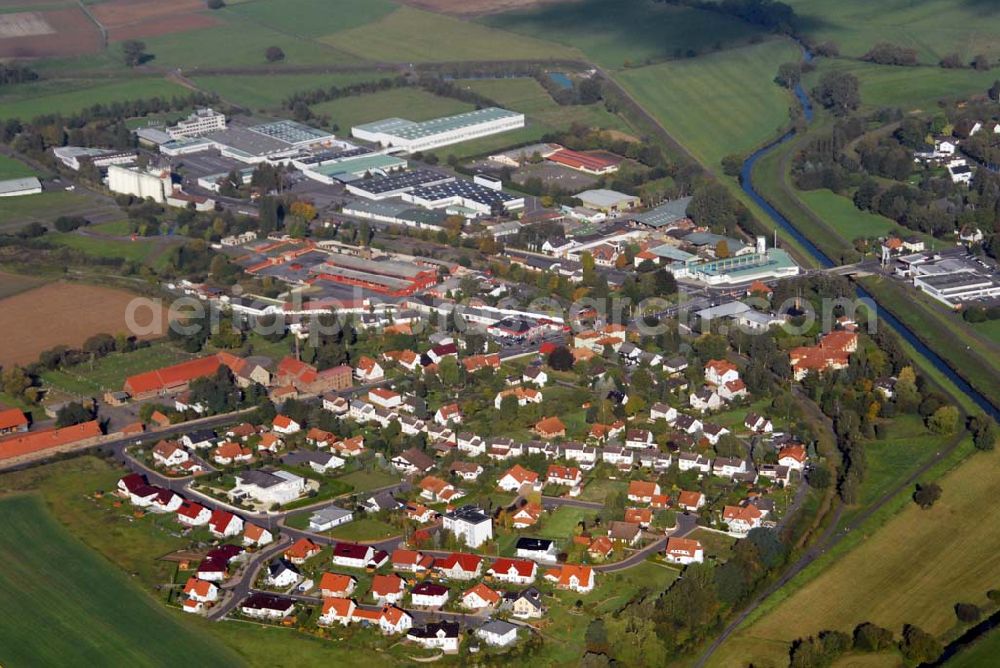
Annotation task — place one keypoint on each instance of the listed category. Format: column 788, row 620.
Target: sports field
column 62, row 605
column 411, row 35
column 616, row 33
column 912, row 89
column 720, row 104
column 269, row 91
column 911, row 570
column 66, row 97
column 933, row 27
column 411, row 103
column 13, row 169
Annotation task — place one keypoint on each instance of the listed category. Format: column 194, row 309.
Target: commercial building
column 664, row 216
column 355, row 169
column 396, row 213
column 761, row 264
column 956, row 288
column 608, row 201
column 395, row 184
column 17, row 187
column 589, row 163
column 202, row 121
column 411, row 136
column 395, row 279
column 473, row 198
column 211, row 181
column 100, row 157
column 152, row 183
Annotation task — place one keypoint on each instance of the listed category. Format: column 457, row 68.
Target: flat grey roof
column 404, row 129
column 14, row 185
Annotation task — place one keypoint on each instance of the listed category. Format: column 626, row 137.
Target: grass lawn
column 907, row 445
column 44, row 207
column 933, row 27
column 720, row 104
column 909, row 88
column 411, row 35
column 101, row 618
column 66, row 97
column 840, row 213
column 559, row 525
column 365, row 529
column 269, row 91
column 619, row 32
column 13, row 169
column 913, row 569
column 410, row 103
column 597, row 490
column 363, row 481
column 982, row 653
column 716, row 545
column 527, row 96
column 15, row 284
column 139, row 250
column 312, row 18
column 109, row 373
column 989, row 329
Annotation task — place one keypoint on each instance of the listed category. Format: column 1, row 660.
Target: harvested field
column 24, row 24
column 62, row 314
column 126, row 19
column 62, row 32
column 481, row 8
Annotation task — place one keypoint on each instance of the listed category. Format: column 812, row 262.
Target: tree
column 994, row 91
column 871, row 638
column 981, row 63
column 508, row 409
column 273, row 54
column 944, row 420
column 15, row 381
column 732, row 165
column 927, row 495
column 839, row 92
column 951, row 61
column 134, row 52
column 819, row 476
column 968, row 613
column 722, row 249
column 71, row 414
column 984, row 432
column 215, row 4
column 561, row 359
column 789, row 75
column 919, row 646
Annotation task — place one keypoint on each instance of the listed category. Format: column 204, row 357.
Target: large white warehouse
column 411, row 136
